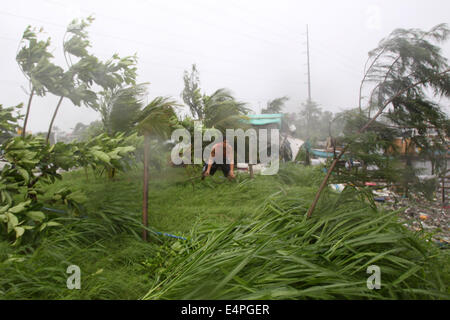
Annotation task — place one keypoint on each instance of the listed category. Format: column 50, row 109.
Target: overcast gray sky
column 256, row 48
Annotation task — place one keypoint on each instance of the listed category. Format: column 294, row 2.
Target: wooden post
column 145, row 192
column 250, row 168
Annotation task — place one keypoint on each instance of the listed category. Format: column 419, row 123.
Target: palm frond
column 158, row 117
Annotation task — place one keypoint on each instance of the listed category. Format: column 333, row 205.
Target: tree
column 30, row 160
column 120, row 107
column 8, row 123
column 275, row 105
column 310, row 114
column 407, row 63
column 33, row 59
column 83, row 132
column 222, row 111
column 219, row 110
column 374, row 147
column 76, row 83
column 67, row 85
column 156, row 120
column 191, row 93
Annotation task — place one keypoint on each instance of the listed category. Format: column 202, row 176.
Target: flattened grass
column 280, row 254
column 247, row 239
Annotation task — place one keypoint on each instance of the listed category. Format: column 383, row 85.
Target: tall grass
column 105, row 245
column 279, row 254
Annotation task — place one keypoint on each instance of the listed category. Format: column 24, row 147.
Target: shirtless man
column 213, row 164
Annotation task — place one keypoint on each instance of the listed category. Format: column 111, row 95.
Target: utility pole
column 309, row 72
column 307, row 158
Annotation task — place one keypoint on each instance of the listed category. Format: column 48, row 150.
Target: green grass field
column 174, row 203
column 175, row 207
column 247, row 239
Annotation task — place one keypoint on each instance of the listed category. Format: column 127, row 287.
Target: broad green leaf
column 4, row 209
column 101, row 155
column 24, row 174
column 19, row 231
column 20, row 207
column 43, row 226
column 36, row 215
column 49, row 224
column 12, row 221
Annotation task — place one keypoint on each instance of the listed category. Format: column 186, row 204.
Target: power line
column 252, row 26
column 184, row 36
column 130, row 40
column 345, row 59
column 208, row 23
column 289, row 29
column 8, row 39
column 177, row 35
column 331, row 59
column 169, row 49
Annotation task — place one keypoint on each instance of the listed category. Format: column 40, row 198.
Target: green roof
column 262, row 119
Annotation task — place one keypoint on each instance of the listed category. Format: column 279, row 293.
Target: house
column 275, row 121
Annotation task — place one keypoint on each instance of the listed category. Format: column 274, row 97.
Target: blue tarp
column 321, row 154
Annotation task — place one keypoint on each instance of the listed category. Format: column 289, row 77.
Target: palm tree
column 120, row 107
column 222, row 111
column 156, row 120
column 275, row 105
column 219, row 110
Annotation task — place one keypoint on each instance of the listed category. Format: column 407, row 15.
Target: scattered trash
column 317, row 162
column 337, row 187
column 420, row 214
column 383, row 193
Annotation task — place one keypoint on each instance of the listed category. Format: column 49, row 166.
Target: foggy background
column 255, row 48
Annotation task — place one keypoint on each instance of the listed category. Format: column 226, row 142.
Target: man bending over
column 226, row 164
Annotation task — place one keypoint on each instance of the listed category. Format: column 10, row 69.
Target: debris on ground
column 419, row 214
column 422, row 215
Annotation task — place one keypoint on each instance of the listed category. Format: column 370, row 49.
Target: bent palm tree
column 156, row 120
column 275, row 105
column 222, row 111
